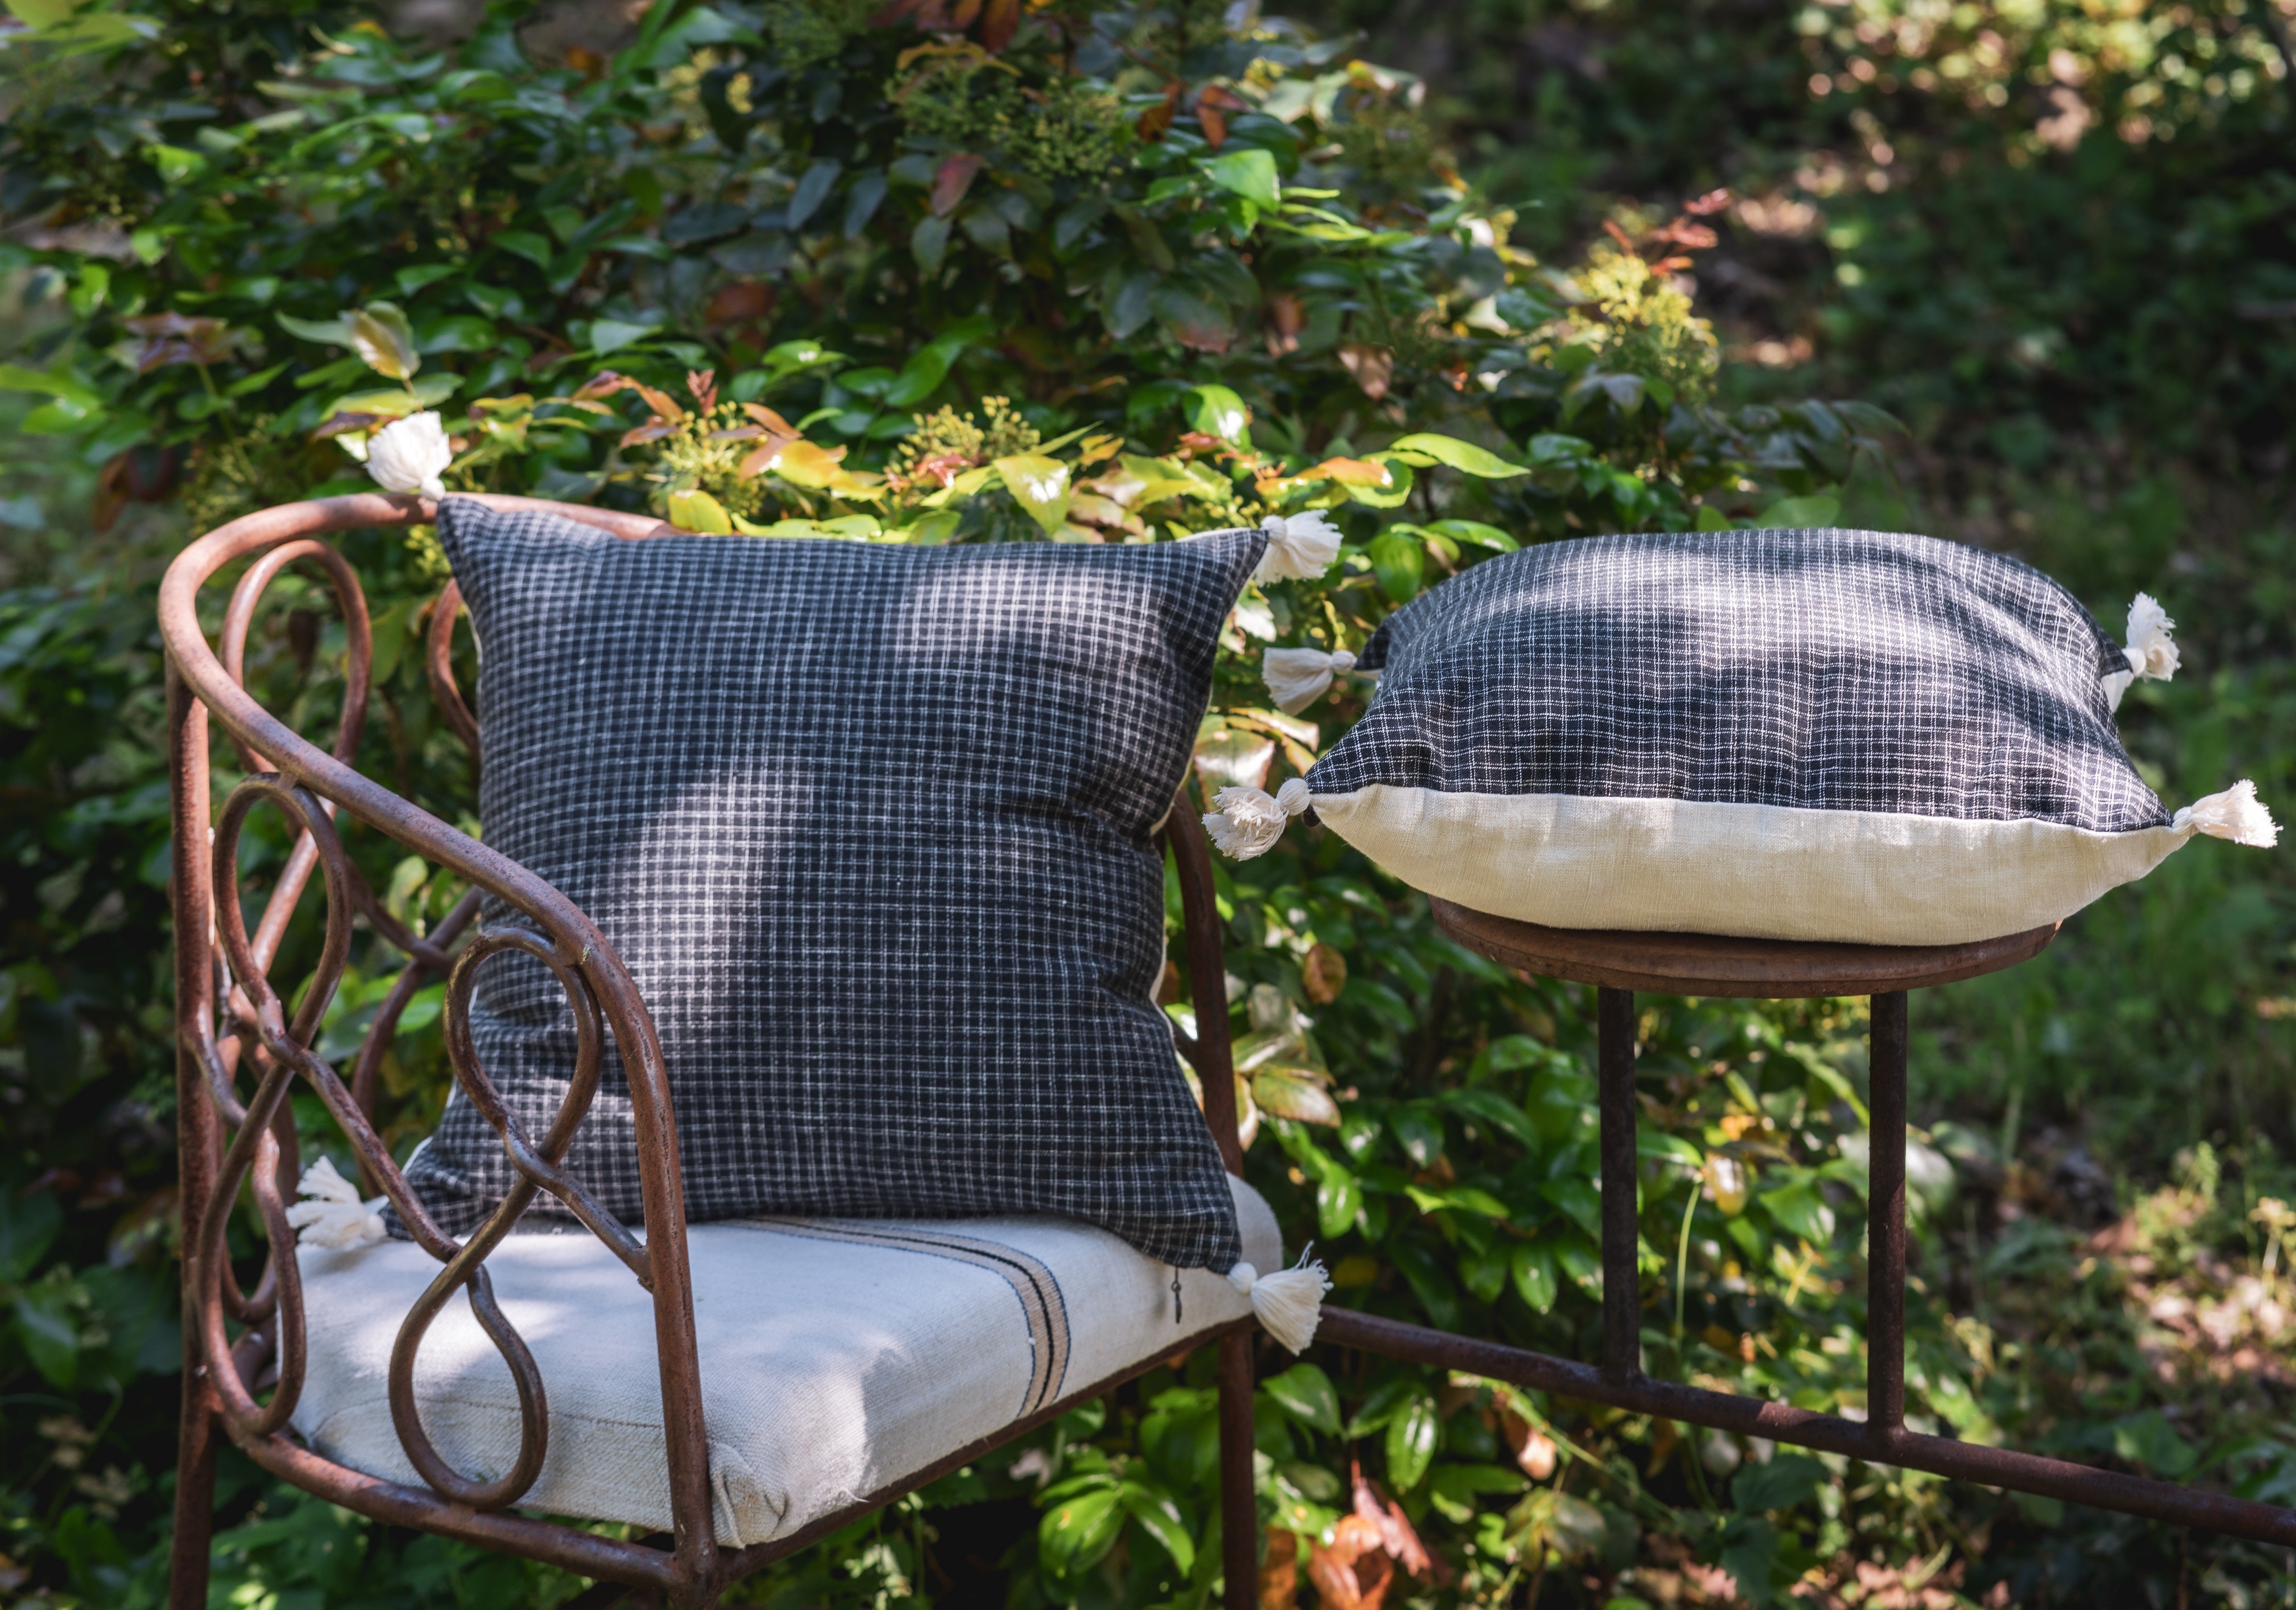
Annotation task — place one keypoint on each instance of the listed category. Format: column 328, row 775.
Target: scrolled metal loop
column 538, row 1168
column 539, row 1164
column 359, row 632
column 438, row 662
column 467, row 1270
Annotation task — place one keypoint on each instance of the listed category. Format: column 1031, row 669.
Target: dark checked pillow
column 870, row 826
column 1824, row 735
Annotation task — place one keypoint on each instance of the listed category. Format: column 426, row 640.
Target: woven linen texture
column 1824, row 670
column 870, row 828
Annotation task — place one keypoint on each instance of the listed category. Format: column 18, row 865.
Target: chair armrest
column 216, row 956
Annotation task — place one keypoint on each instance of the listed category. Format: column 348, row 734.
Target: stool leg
column 1239, row 1507
column 1885, row 1224
column 1622, row 1306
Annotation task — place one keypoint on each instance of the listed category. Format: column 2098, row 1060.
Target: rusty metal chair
column 228, row 1013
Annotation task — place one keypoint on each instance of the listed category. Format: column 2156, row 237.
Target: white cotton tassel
column 1289, row 1302
column 333, row 1215
column 1300, row 547
column 2237, row 814
column 2151, row 652
column 1248, row 821
column 1298, row 677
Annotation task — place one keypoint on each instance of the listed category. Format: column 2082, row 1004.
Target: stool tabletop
column 1715, row 965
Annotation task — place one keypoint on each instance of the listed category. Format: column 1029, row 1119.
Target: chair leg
column 1885, row 1224
column 1622, row 1299
column 195, row 1474
column 1239, row 1507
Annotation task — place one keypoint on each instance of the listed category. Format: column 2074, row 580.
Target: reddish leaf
column 1157, row 119
column 955, row 177
column 1214, row 126
column 1709, row 204
column 172, row 338
column 998, row 23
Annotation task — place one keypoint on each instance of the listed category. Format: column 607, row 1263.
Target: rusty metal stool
column 1617, row 964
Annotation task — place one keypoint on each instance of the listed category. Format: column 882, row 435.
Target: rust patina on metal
column 228, row 1013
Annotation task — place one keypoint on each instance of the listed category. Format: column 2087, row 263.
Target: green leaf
column 1339, row 1202
column 1216, row 411
column 44, row 1328
column 1248, row 174
column 1386, row 1402
column 1463, row 456
column 1039, row 485
column 176, row 166
column 1800, row 514
column 697, row 511
column 1411, row 1438
column 525, row 243
column 28, row 1226
column 812, row 190
column 1579, row 1201
column 611, row 335
column 1077, row 1534
column 1461, row 1484
column 2147, row 1439
column 1306, row 1394
column 1476, row 532
column 16, row 377
column 1787, row 1480
column 1801, row 1211
column 929, row 242
column 1399, row 561
column 1534, row 1273
column 1497, row 1112
column 384, row 341
column 1160, row 1517
column 924, row 372
column 1420, row 1130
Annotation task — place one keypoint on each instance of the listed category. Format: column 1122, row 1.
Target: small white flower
column 333, row 1215
column 410, row 455
column 1300, row 547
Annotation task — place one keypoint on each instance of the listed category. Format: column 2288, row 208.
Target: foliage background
column 2052, row 238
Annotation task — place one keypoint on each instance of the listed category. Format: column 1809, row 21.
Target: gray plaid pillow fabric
column 1824, row 670
column 1818, row 735
column 870, row 828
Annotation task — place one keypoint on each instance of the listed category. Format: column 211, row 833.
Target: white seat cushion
column 838, row 1356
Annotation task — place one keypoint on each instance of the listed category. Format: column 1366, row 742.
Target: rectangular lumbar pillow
column 871, row 827
column 1822, row 735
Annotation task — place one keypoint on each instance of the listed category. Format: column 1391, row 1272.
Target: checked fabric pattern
column 1826, row 670
column 870, row 828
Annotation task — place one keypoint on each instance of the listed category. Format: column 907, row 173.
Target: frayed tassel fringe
column 2151, row 652
column 1298, row 677
column 1289, row 1302
column 1248, row 821
column 2237, row 814
column 332, row 1215
column 1300, row 547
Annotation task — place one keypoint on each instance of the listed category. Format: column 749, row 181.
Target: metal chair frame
column 228, row 1013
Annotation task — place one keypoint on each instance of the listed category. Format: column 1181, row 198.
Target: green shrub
column 1091, row 275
